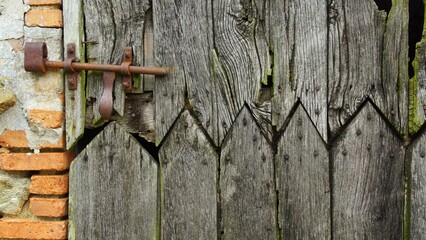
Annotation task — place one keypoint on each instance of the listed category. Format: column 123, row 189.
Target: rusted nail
column 393, row 112
column 422, row 154
column 392, row 155
column 316, row 153
column 300, row 136
column 224, row 125
column 185, row 125
column 369, row 147
column 204, row 162
column 424, row 107
column 244, row 122
column 358, row 132
column 299, row 122
column 317, row 88
column 344, row 152
column 368, row 116
column 286, row 157
column 317, row 111
column 263, row 157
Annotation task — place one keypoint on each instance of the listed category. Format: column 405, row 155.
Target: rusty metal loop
column 125, row 68
column 106, row 104
column 68, row 65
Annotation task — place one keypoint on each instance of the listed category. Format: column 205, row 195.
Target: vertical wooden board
column 395, row 67
column 189, row 183
column 113, row 189
column 368, row 177
column 247, row 188
column 75, row 101
column 182, row 40
column 148, row 53
column 374, row 65
column 302, row 172
column 417, row 86
column 418, row 190
column 298, row 31
column 110, row 26
column 240, row 62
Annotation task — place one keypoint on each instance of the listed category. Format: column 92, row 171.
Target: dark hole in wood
column 415, row 30
column 149, row 146
column 88, row 136
column 384, row 5
column 91, row 133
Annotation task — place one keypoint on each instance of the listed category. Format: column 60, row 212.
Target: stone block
column 14, row 192
column 7, row 99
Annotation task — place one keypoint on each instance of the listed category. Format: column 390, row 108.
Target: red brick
column 36, row 162
column 44, row 2
column 30, row 229
column 49, row 185
column 46, row 118
column 14, row 139
column 44, row 18
column 49, row 207
column 18, row 139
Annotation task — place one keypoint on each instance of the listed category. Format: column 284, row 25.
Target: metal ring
column 125, row 68
column 68, row 65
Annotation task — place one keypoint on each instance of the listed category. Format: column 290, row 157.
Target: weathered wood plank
column 189, row 183
column 298, row 31
column 247, row 188
column 368, row 177
column 148, row 53
column 110, row 26
column 418, row 191
column 182, row 40
column 219, row 53
column 302, row 172
column 75, row 101
column 241, row 61
column 373, row 65
column 113, row 189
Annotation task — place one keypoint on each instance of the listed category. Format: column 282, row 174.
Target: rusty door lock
column 35, row 60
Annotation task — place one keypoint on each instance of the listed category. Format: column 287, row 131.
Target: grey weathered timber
column 138, row 115
column 148, row 51
column 367, row 57
column 113, row 189
column 417, row 87
column 247, row 188
column 368, row 177
column 298, row 31
column 418, row 190
column 302, row 173
column 189, row 183
column 182, row 40
column 219, row 55
column 109, row 27
column 241, row 61
column 75, row 101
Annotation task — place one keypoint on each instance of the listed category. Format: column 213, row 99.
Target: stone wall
column 33, row 162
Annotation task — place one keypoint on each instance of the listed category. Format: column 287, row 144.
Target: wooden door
column 280, row 120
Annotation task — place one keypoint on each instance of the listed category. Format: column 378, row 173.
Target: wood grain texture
column 374, row 65
column 247, row 188
column 110, row 26
column 368, row 177
column 298, row 31
column 182, row 40
column 113, row 189
column 219, row 53
column 75, row 101
column 189, row 183
column 302, row 173
column 417, row 153
column 241, row 61
column 417, row 94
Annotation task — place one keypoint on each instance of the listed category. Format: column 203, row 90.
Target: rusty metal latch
column 35, row 60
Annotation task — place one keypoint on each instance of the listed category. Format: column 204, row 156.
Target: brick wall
column 33, row 163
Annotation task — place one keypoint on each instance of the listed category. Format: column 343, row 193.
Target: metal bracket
column 71, row 73
column 126, row 75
